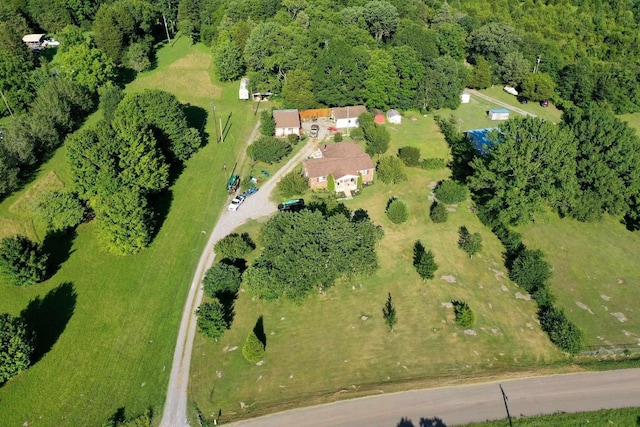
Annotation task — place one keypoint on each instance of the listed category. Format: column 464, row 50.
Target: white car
column 236, row 202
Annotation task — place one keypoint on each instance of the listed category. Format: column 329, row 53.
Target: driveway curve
column 450, row 406
column 256, row 206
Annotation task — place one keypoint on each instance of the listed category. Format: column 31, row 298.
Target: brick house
column 344, row 160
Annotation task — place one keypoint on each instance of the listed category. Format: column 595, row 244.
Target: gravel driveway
column 256, row 206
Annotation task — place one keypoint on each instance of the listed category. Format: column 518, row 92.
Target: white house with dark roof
column 344, row 160
column 287, row 122
column 347, row 117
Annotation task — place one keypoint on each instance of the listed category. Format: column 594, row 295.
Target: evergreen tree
column 424, row 261
column 22, row 261
column 389, row 313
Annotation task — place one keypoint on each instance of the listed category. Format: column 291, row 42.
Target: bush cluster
column 433, row 163
column 450, row 192
column 410, row 156
column 531, row 272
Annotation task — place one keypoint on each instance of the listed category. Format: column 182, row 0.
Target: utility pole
column 535, row 69
column 213, row 107
column 6, row 103
column 506, row 405
column 166, row 28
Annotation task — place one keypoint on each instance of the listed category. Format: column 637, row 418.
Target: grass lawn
column 606, row 417
column 632, row 120
column 336, row 345
column 595, row 275
column 474, row 114
column 111, row 326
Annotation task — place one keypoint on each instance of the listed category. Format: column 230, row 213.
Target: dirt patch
column 604, row 297
column 446, row 305
column 584, row 307
column 621, row 317
column 26, row 204
column 14, row 227
column 193, row 61
column 448, row 278
column 526, row 297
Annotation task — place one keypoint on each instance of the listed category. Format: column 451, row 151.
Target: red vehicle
column 333, row 128
column 544, row 103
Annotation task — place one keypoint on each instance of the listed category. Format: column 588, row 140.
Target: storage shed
column 378, row 117
column 394, row 117
column 499, row 114
column 243, row 93
column 33, row 41
column 465, row 97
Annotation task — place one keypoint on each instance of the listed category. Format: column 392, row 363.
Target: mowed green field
column 335, row 345
column 112, row 323
column 595, row 275
column 474, row 114
column 608, row 417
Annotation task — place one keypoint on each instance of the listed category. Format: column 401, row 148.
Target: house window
column 322, row 179
column 364, row 172
column 290, row 130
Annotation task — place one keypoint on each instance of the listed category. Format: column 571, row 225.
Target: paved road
column 464, row 404
column 256, row 206
column 502, row 104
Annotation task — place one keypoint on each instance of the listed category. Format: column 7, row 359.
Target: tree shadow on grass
column 197, row 119
column 259, row 331
column 160, row 204
column 58, row 246
column 48, row 317
column 432, row 422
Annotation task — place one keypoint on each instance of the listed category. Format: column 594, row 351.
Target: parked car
column 250, row 191
column 544, row 103
column 236, row 202
column 314, row 131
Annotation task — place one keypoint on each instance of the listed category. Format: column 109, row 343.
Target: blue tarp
column 479, row 140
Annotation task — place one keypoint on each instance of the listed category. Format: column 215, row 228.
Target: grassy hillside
column 112, row 328
column 336, row 345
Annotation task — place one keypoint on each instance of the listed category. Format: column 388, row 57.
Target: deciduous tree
column 390, row 170
column 220, row 279
column 470, row 243
column 227, row 59
column 61, row 210
column 211, row 319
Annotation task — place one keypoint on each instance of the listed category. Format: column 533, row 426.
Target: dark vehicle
column 522, row 100
column 250, row 191
column 314, row 131
column 544, row 103
column 233, row 184
column 292, row 205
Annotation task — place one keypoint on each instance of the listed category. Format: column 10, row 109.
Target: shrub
column 247, row 182
column 337, row 137
column 22, row 261
column 268, row 149
column 234, row 246
column 211, row 319
column 291, row 184
column 424, row 261
column 331, row 183
column 451, row 192
column 438, row 213
column 221, row 278
column 253, row 348
column 433, row 163
column 293, row 139
column 410, row 156
column 562, row 332
column 529, row 270
column 359, row 180
column 390, row 170
column 397, row 212
column 464, row 314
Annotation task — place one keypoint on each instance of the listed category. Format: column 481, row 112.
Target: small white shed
column 499, row 114
column 394, row 117
column 465, row 97
column 244, row 89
